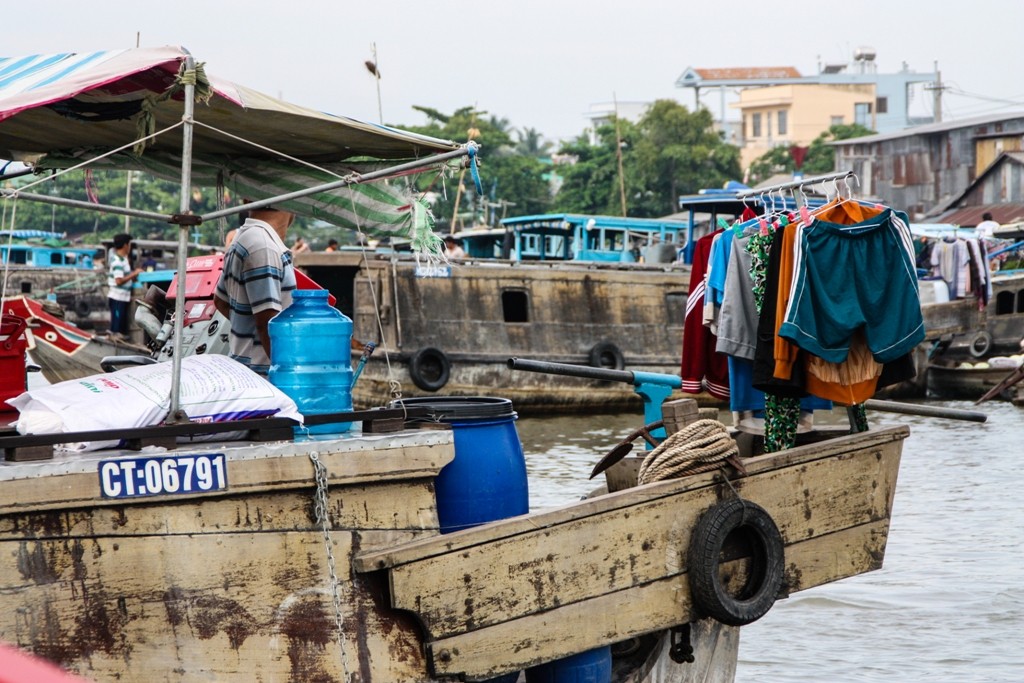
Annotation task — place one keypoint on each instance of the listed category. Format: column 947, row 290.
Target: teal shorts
column 847, row 277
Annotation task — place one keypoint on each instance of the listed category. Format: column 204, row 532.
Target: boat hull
column 235, row 585
column 967, row 383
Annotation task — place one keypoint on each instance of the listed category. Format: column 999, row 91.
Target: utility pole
column 618, row 156
column 128, row 182
column 937, row 89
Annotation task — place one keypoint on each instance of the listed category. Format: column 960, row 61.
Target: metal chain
column 322, row 516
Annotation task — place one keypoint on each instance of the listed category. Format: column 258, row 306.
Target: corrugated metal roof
column 931, row 128
column 951, row 204
column 748, row 73
column 971, row 215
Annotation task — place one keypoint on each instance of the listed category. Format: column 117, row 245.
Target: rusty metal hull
column 235, row 585
column 480, row 313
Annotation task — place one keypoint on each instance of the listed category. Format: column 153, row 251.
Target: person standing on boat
column 120, row 278
column 986, row 227
column 256, row 284
column 453, row 251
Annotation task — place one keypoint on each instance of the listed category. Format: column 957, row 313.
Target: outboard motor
column 204, row 329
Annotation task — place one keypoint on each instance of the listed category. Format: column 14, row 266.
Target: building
column 924, row 168
column 998, row 190
column 604, row 113
column 778, row 106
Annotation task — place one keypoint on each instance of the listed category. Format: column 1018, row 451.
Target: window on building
column 862, row 114
column 783, row 122
column 755, row 125
column 882, row 105
column 837, row 121
column 768, row 124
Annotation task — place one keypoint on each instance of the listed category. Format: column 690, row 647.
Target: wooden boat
column 955, row 381
column 38, row 264
column 60, row 349
column 448, row 329
column 236, row 583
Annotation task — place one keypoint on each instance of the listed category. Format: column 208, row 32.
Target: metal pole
column 343, row 182
column 376, row 66
column 168, row 218
column 77, row 204
column 176, row 415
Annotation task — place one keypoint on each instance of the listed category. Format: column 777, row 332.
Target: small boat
column 970, row 381
column 62, row 350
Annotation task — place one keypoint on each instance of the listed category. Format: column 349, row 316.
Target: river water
column 948, row 603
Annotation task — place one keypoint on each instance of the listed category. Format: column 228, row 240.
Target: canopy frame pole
column 185, row 201
column 79, row 204
column 352, row 179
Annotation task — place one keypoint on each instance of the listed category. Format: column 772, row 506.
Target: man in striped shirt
column 256, row 284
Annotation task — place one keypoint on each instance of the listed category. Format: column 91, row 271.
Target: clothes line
column 795, row 184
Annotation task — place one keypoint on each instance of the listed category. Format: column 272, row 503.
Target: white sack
column 214, row 388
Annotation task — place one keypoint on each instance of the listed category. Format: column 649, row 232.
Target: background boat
column 970, row 381
column 61, row 350
column 41, row 265
column 600, row 291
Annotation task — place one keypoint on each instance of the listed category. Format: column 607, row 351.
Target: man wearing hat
column 256, row 284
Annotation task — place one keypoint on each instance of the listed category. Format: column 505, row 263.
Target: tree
column 820, row 158
column 505, row 175
column 670, row 152
column 530, row 142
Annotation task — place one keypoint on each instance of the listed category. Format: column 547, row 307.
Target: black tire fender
column 607, row 355
column 980, row 344
column 744, row 521
column 429, row 369
column 82, row 308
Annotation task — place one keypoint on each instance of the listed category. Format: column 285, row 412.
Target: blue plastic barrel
column 487, row 479
column 592, row 666
column 311, row 358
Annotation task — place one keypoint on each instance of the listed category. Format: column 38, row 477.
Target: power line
column 977, row 96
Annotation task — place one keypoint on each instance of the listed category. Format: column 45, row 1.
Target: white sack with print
column 214, row 388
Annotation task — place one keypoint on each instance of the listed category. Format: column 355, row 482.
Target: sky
column 538, row 64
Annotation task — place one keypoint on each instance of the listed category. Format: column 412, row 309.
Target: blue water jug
column 311, row 358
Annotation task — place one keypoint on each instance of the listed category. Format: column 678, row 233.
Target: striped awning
column 60, row 109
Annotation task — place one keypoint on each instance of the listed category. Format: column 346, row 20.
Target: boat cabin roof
column 49, row 255
column 578, row 237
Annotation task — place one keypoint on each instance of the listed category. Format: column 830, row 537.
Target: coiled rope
column 699, row 447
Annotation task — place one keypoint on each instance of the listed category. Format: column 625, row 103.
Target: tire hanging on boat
column 607, row 355
column 980, row 344
column 745, row 521
column 429, row 369
column 82, row 308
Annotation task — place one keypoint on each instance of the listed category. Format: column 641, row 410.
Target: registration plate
column 157, row 476
column 433, row 271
